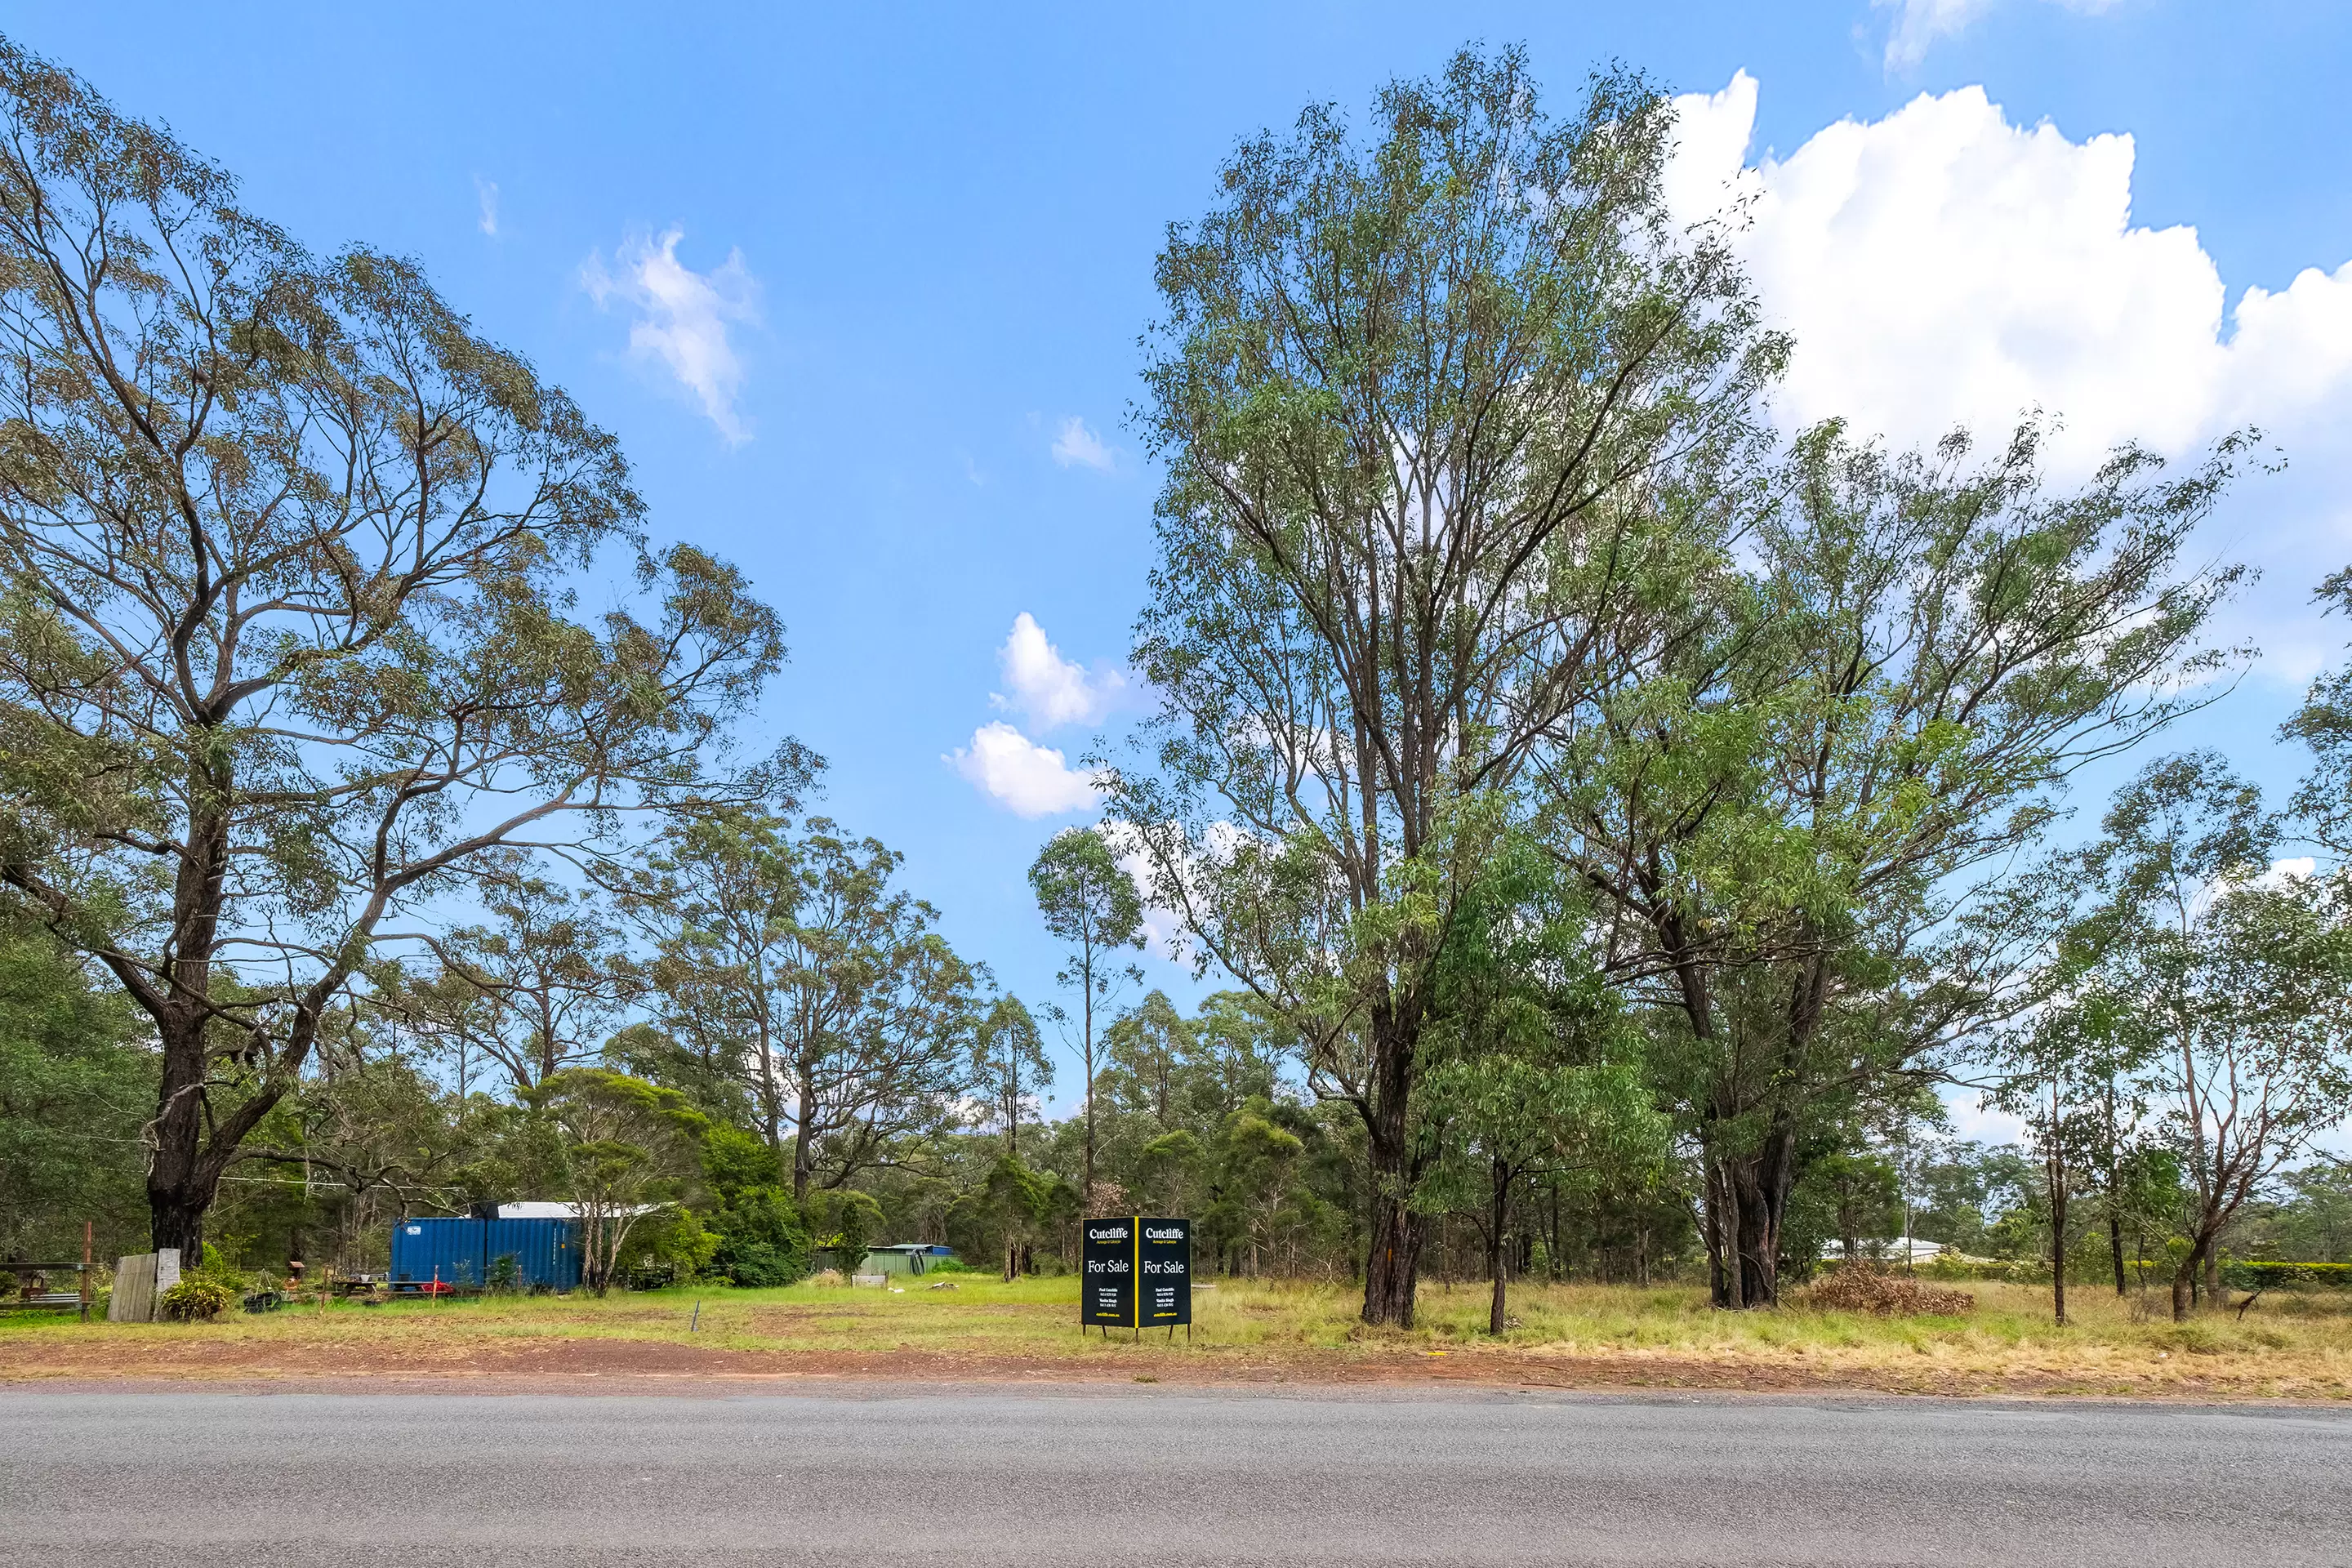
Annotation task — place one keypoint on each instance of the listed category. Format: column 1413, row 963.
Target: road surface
column 1160, row 1478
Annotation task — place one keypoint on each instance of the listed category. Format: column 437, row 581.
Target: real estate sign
column 1163, row 1272
column 1136, row 1272
column 1107, row 1273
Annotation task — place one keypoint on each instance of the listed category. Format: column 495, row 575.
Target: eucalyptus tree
column 2243, row 980
column 627, row 1148
column 536, row 988
column 1090, row 904
column 2063, row 1072
column 1532, row 1072
column 285, row 640
column 1150, row 1047
column 2323, row 803
column 1428, row 401
column 719, row 897
column 1810, row 828
column 1010, row 1065
column 790, row 954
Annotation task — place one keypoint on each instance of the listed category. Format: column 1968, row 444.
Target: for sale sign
column 1163, row 1271
column 1136, row 1272
column 1107, row 1273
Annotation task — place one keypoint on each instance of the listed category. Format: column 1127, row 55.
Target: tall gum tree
column 2241, row 981
column 827, row 993
column 285, row 642
column 1424, row 399
column 1808, row 823
column 1090, row 905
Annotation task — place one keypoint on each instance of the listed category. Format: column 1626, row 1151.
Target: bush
column 756, row 1265
column 673, row 1240
column 2259, row 1274
column 760, row 1240
column 2011, row 1272
column 1855, row 1288
column 198, row 1298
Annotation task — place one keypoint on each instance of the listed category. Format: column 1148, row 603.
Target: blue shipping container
column 465, row 1251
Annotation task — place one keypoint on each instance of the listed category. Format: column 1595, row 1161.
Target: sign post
column 1136, row 1272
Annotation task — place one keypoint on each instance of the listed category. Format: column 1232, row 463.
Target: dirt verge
column 592, row 1365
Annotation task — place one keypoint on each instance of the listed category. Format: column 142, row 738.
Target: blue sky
column 841, row 283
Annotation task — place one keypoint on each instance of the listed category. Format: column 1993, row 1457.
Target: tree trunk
column 176, row 1219
column 2058, row 1240
column 2184, row 1283
column 2214, row 1299
column 2115, row 1243
column 771, row 1112
column 803, row 1153
column 1754, row 1189
column 1719, row 1277
column 1498, row 1213
column 1086, row 977
column 1393, row 1262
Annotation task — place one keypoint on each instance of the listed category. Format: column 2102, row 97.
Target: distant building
column 1900, row 1249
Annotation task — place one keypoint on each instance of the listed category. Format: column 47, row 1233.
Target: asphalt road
column 1161, row 1478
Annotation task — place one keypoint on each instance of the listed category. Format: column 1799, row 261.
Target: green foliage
column 847, row 1222
column 198, row 1298
column 624, row 1144
column 2259, row 1274
column 1010, row 1066
column 788, row 957
column 674, row 1236
column 75, row 1089
column 350, row 667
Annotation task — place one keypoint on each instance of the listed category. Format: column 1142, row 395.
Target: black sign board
column 1136, row 1272
column 1107, row 1273
column 1163, row 1271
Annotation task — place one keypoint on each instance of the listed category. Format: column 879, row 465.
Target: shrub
column 756, row 1265
column 198, row 1298
column 2006, row 1270
column 2259, row 1274
column 1855, row 1288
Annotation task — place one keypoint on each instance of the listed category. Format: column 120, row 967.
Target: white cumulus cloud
column 1942, row 267
column 1919, row 23
column 683, row 317
column 1027, row 779
column 1047, row 688
column 1076, row 446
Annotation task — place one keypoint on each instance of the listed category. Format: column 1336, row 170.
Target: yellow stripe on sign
column 1135, row 1297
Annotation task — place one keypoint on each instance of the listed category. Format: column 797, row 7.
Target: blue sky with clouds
column 860, row 288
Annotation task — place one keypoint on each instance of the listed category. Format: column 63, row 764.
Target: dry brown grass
column 1573, row 1335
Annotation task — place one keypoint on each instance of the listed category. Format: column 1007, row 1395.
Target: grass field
column 2289, row 1347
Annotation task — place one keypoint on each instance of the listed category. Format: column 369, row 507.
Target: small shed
column 905, row 1258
